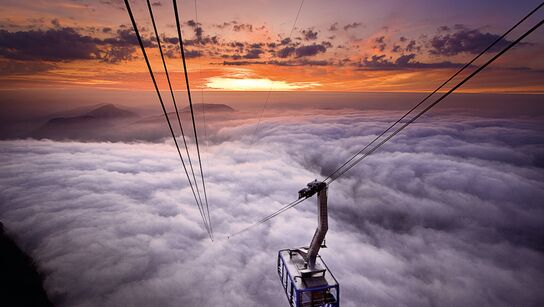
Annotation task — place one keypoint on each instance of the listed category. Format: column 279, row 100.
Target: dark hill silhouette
column 108, row 122
column 20, row 280
column 74, row 112
column 59, row 121
column 109, row 111
column 209, row 107
column 90, row 123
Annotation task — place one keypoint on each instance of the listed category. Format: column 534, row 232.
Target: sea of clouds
column 448, row 214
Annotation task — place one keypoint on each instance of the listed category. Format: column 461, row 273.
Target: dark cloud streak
column 406, row 61
column 67, row 44
column 352, row 25
column 465, row 40
column 309, row 34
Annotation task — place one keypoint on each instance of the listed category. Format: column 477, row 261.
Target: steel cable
column 436, row 90
column 127, row 4
column 180, row 38
column 332, row 179
column 176, row 108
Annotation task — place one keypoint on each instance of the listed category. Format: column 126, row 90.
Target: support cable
column 203, row 111
column 436, row 90
column 177, row 112
column 178, row 26
column 332, row 179
column 270, row 88
column 127, row 4
column 270, row 216
column 201, row 89
column 512, row 44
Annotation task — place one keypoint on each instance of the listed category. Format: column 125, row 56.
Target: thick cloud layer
column 449, row 214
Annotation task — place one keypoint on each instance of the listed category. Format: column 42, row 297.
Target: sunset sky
column 433, row 200
column 389, row 46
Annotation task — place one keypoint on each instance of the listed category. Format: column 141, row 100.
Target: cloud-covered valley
column 447, row 214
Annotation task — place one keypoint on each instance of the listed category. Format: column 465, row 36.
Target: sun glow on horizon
column 253, row 84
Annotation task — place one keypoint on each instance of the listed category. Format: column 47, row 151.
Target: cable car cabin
column 304, row 276
column 306, row 287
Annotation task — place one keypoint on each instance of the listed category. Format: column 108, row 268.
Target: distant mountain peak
column 109, row 111
column 74, row 127
column 209, row 107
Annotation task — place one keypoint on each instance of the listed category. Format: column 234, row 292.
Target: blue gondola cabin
column 306, row 287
